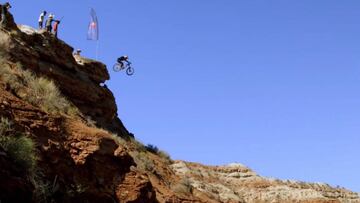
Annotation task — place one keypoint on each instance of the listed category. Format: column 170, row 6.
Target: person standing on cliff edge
column 48, row 23
column 4, row 10
column 77, row 52
column 41, row 19
column 56, row 26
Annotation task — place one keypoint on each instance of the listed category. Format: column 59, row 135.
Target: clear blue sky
column 270, row 84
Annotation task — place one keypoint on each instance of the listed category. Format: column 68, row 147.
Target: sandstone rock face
column 237, row 183
column 81, row 163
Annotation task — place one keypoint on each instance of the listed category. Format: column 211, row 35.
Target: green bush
column 5, row 126
column 21, row 150
column 18, row 147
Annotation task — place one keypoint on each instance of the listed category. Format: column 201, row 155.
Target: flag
column 93, row 29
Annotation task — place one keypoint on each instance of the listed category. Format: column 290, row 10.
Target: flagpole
column 93, row 31
column 97, row 49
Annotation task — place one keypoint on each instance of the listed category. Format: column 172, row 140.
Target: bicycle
column 129, row 70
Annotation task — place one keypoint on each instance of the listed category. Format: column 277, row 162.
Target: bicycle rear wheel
column 117, row 67
column 130, row 70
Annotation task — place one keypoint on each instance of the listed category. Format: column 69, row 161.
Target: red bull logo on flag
column 93, row 30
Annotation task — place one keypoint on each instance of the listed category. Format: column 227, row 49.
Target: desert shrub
column 183, row 187
column 152, row 148
column 137, row 145
column 9, row 77
column 18, row 147
column 165, row 156
column 155, row 150
column 89, row 121
column 5, row 126
column 119, row 140
column 141, row 157
column 38, row 91
column 45, row 94
column 43, row 189
column 143, row 162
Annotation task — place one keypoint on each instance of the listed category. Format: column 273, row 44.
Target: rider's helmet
column 126, row 57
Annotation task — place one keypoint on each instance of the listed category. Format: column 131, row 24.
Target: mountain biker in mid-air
column 120, row 65
column 123, row 59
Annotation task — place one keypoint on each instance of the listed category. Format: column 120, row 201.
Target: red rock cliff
column 78, row 80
